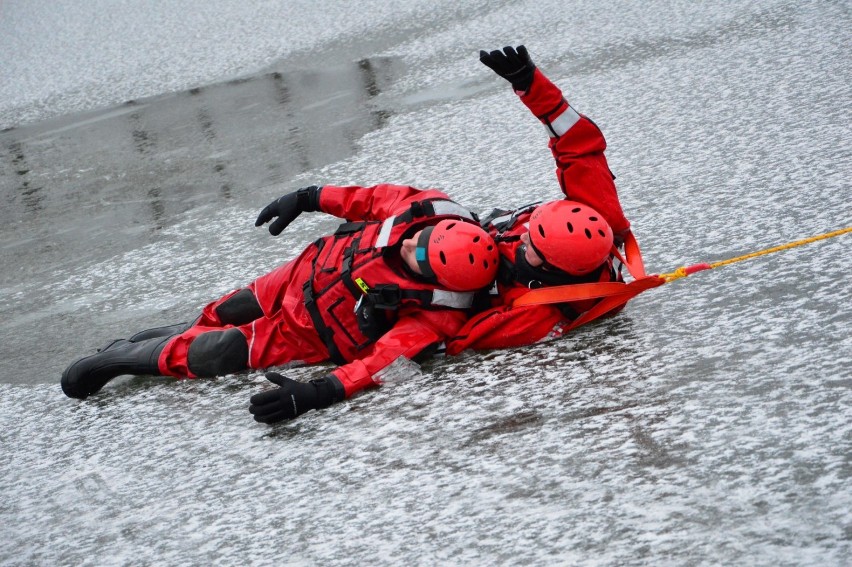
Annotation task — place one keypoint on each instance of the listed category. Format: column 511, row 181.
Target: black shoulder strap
column 501, row 220
column 433, row 208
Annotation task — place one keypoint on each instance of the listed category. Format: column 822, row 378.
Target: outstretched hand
column 513, row 65
column 288, row 207
column 291, row 399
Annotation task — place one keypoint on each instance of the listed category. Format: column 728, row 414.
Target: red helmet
column 459, row 255
column 570, row 236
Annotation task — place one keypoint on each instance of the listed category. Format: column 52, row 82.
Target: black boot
column 167, row 331
column 90, row 374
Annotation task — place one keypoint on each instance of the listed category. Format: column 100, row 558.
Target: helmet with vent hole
column 458, row 255
column 570, row 236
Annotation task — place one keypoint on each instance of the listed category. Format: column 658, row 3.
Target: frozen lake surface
column 710, row 423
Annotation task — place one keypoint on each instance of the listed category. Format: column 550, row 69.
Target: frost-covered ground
column 707, row 424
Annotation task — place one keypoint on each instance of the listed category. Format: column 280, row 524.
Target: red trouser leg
column 209, row 317
column 173, row 358
column 270, row 343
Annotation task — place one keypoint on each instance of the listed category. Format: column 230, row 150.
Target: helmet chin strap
column 421, row 254
column 617, row 254
column 536, row 277
column 542, row 257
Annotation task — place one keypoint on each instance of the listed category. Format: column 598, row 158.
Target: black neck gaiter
column 531, row 277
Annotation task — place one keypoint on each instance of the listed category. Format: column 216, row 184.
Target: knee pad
column 217, row 353
column 239, row 309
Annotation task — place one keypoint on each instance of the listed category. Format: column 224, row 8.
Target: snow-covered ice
column 710, row 423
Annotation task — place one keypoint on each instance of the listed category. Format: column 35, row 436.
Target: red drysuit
column 309, row 303
column 581, row 168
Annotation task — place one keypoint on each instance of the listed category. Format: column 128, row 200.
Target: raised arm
column 576, row 142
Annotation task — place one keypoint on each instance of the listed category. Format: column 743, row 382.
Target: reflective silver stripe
column 500, row 219
column 493, row 289
column 563, row 123
column 454, row 299
column 451, row 208
column 385, row 232
column 440, row 208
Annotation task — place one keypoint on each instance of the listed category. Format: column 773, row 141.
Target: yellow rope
column 782, row 247
column 684, row 271
column 675, row 275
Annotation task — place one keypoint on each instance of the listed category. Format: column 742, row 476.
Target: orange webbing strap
column 633, row 257
column 578, row 292
column 570, row 292
column 612, row 302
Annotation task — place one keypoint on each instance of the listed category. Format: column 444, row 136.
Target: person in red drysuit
column 557, row 243
column 397, row 279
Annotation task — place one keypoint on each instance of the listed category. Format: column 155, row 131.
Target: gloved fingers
column 499, row 58
column 275, row 405
column 264, row 399
column 488, row 60
column 260, row 409
column 268, row 409
column 266, row 215
column 519, row 59
column 277, row 378
column 278, row 226
column 272, row 417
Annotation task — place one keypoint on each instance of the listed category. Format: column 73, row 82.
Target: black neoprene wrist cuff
column 329, row 390
column 522, row 79
column 309, row 198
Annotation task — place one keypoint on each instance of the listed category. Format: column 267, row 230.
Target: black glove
column 293, row 398
column 514, row 66
column 288, row 207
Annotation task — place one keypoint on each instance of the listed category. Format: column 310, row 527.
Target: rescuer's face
column 530, row 255
column 408, row 254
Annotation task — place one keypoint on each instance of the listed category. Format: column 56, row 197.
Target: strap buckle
column 385, row 296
